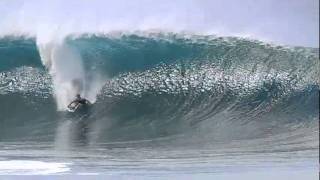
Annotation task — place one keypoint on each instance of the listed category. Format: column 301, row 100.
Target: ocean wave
column 156, row 85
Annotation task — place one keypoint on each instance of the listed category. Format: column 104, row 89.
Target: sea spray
column 65, row 66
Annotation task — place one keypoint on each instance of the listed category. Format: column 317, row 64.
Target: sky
column 288, row 22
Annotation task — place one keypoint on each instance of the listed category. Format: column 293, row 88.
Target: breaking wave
column 179, row 88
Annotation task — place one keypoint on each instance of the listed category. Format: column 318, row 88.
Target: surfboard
column 73, row 107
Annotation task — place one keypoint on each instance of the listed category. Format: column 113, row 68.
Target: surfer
column 77, row 102
column 80, row 113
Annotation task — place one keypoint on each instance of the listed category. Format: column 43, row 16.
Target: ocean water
column 165, row 105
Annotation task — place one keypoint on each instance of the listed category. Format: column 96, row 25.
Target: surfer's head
column 78, row 96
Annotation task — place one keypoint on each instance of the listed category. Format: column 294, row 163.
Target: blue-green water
column 163, row 104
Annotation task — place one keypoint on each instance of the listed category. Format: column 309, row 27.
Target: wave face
column 176, row 88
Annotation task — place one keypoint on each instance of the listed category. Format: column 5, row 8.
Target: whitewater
column 169, row 102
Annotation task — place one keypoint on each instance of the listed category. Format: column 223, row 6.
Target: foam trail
column 63, row 135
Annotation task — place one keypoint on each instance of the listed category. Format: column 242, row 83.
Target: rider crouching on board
column 79, row 100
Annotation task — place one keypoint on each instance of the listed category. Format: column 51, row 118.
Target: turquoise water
column 164, row 104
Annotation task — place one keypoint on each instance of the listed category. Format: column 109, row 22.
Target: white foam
column 26, row 167
column 65, row 67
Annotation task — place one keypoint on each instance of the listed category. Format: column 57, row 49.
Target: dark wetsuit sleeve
column 82, row 101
